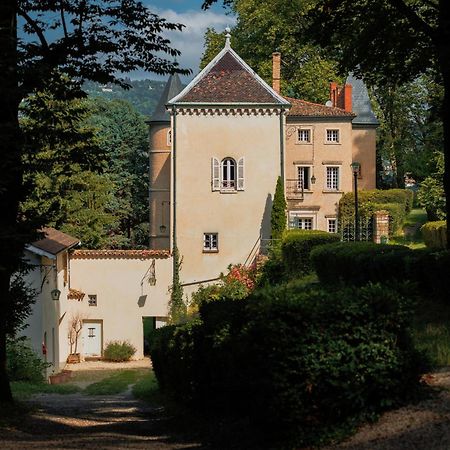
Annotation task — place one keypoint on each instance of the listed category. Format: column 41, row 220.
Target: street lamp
column 355, row 168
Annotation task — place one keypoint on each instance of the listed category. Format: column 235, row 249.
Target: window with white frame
column 304, row 135
column 332, row 225
column 303, row 177
column 303, row 223
column 227, row 175
column 210, row 242
column 332, row 178
column 332, row 136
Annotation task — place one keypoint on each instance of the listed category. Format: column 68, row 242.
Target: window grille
column 332, row 178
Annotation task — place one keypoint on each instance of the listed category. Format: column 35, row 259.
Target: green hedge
column 398, row 202
column 296, row 248
column 435, row 234
column 296, row 363
column 358, row 263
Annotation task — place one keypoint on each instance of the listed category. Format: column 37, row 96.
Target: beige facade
column 239, row 217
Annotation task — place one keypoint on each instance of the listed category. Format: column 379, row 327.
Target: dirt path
column 77, row 420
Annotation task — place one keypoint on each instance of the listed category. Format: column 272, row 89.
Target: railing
column 294, row 189
column 260, row 247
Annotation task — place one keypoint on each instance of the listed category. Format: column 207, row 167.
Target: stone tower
column 159, row 154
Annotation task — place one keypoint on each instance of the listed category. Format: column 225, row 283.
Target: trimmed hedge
column 435, row 234
column 398, row 202
column 296, row 248
column 295, row 363
column 358, row 263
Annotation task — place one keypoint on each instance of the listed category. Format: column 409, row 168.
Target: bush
column 23, row 364
column 296, row 363
column 118, row 351
column 398, row 202
column 358, row 263
column 435, row 234
column 296, row 248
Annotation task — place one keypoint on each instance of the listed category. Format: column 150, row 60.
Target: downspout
column 174, row 191
column 282, row 148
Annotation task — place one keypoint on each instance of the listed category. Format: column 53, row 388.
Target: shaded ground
column 97, row 421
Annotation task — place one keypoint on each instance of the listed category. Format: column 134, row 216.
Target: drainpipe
column 174, row 191
column 282, row 148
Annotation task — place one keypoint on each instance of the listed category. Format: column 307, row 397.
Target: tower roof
column 228, row 79
column 361, row 103
column 173, row 87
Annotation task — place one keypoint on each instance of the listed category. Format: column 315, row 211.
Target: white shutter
column 215, row 174
column 240, row 175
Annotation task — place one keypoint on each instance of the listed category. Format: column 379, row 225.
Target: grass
column 411, row 235
column 24, row 389
column 116, row 383
column 147, row 389
column 431, row 331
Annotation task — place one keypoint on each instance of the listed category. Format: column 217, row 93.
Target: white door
column 92, row 338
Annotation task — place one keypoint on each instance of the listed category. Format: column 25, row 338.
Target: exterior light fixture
column 56, row 293
column 162, row 228
column 313, row 179
column 355, row 168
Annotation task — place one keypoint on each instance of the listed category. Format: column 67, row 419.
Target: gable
column 228, row 79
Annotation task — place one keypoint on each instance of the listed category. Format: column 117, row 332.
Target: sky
column 190, row 41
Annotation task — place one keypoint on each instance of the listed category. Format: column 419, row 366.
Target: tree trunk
column 11, row 240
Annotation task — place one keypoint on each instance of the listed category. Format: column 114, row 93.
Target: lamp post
column 355, row 168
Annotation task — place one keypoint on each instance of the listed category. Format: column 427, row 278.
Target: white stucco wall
column 239, row 217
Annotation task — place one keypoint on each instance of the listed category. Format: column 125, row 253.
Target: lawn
column 411, row 235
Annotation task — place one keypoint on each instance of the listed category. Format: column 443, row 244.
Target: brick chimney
column 341, row 97
column 276, row 72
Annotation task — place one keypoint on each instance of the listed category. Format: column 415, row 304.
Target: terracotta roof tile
column 308, row 109
column 55, row 241
column 74, row 294
column 228, row 82
column 119, row 254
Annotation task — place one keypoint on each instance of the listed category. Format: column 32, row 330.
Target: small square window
column 304, row 135
column 210, row 242
column 332, row 226
column 92, row 300
column 333, row 136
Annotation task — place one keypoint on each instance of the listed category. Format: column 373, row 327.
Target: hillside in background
column 143, row 95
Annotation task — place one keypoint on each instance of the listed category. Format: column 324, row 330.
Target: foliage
column 431, row 193
column 435, row 234
column 263, row 28
column 22, row 390
column 278, row 214
column 235, row 285
column 296, row 248
column 291, row 359
column 177, row 307
column 398, row 202
column 118, row 351
column 123, row 137
column 23, row 363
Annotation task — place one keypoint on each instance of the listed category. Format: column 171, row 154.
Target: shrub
column 278, row 214
column 296, row 248
column 358, row 263
column 294, row 362
column 23, row 364
column 435, row 234
column 118, row 351
column 398, row 202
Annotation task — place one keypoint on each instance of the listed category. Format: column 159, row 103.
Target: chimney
column 347, row 94
column 276, row 72
column 333, row 93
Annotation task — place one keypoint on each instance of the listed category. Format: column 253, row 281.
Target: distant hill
column 143, row 95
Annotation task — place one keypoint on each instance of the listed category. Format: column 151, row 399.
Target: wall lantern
column 162, row 228
column 313, row 179
column 56, row 293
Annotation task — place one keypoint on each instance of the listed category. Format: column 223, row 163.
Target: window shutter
column 240, row 175
column 215, row 174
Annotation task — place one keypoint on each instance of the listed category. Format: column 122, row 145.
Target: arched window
column 228, row 173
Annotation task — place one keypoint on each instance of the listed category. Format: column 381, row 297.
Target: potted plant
column 75, row 326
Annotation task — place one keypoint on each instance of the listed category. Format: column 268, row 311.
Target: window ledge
column 332, row 143
column 303, row 143
column 330, row 191
column 228, row 191
column 210, row 251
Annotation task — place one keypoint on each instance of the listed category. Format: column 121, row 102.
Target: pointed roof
column 173, row 87
column 361, row 103
column 302, row 108
column 228, row 79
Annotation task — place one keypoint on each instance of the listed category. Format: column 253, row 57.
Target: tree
column 414, row 37
column 265, row 27
column 92, row 39
column 278, row 214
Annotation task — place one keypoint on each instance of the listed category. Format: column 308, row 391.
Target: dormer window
column 227, row 175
